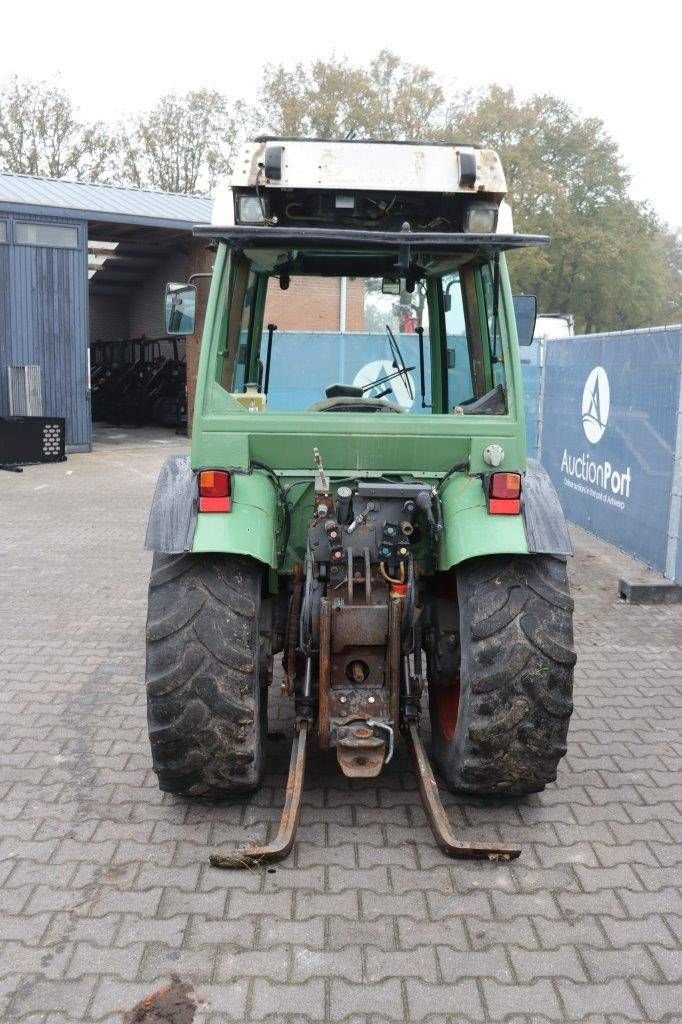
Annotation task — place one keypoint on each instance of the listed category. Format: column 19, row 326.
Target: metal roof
column 104, row 202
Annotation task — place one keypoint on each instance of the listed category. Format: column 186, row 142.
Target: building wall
column 313, row 304
column 199, row 260
column 109, row 317
column 146, row 314
column 44, row 320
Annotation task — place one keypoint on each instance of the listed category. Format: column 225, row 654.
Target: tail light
column 504, row 494
column 214, row 491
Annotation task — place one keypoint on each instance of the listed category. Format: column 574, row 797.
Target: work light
column 251, row 210
column 480, row 219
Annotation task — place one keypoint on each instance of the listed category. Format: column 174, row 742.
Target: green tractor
column 358, row 495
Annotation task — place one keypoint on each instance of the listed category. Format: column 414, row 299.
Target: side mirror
column 525, row 311
column 180, row 308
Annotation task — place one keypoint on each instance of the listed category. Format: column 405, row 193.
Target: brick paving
column 106, row 891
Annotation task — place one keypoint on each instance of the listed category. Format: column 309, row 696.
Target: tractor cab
column 366, row 278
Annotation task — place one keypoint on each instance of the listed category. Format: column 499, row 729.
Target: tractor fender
column 543, row 516
column 173, row 515
column 250, row 528
column 175, row 525
column 470, row 532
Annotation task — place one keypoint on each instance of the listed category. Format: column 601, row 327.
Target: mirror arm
column 193, row 277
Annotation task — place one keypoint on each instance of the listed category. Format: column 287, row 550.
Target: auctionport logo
column 595, row 405
column 602, row 481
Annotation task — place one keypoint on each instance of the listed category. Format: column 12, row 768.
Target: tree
column 184, row 143
column 390, row 99
column 41, row 134
column 607, row 263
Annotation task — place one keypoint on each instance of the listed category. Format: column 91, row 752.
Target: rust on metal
column 359, row 752
column 394, row 660
column 436, row 814
column 358, row 624
column 248, row 856
column 293, row 622
column 324, row 672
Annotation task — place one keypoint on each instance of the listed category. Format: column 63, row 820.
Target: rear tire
column 504, row 731
column 206, row 709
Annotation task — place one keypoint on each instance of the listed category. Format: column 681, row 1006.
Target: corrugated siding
column 105, row 200
column 4, row 325
column 47, row 292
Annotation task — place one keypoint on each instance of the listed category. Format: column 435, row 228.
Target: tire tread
column 203, row 690
column 516, row 676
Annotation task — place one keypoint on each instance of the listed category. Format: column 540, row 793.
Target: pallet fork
column 249, row 856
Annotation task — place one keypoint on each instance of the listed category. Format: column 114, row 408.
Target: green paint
column 250, row 528
column 469, row 530
column 225, row 435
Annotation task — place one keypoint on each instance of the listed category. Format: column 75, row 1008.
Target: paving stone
column 35, row 994
column 273, row 965
column 461, row 1000
column 309, row 933
column 312, row 963
column 379, row 932
column 607, row 997
column 632, row 962
column 669, row 962
column 558, row 963
column 90, row 959
column 307, row 998
column 105, row 889
column 629, row 931
column 492, row 963
column 384, row 998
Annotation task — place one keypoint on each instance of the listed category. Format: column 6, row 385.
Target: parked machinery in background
column 138, row 381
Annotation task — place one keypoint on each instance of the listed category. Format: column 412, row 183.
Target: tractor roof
column 369, row 165
column 340, row 200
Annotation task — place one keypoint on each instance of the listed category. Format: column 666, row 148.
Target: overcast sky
column 611, row 59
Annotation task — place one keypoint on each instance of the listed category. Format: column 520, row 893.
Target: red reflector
column 214, row 483
column 505, row 485
column 504, row 506
column 215, row 504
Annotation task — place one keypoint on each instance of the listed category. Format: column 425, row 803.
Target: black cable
column 457, row 468
column 286, row 527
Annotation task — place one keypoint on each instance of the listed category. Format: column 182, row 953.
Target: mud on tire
column 206, row 710
column 516, row 659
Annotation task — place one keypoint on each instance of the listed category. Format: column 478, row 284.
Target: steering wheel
column 399, row 362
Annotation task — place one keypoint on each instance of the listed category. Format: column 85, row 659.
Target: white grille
column 51, row 439
column 25, row 391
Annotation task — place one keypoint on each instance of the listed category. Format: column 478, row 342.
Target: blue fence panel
column 531, row 371
column 609, row 432
column 304, row 363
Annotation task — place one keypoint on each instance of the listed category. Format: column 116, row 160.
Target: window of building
column 3, row 230
column 57, row 236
